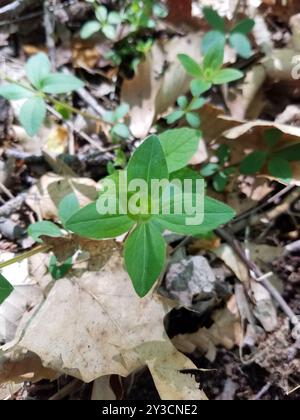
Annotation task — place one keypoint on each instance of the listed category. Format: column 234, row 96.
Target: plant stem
column 19, row 258
column 74, row 110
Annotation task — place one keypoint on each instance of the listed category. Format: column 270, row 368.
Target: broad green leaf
column 175, row 116
column 89, row 29
column 241, row 44
column 14, row 92
column 214, row 19
column 199, row 86
column 227, row 76
column 220, row 182
column 280, row 168
column 121, row 130
column 90, row 224
column 5, row 289
column 244, row 27
column 148, row 161
column 253, row 163
column 179, row 146
column 215, row 214
column 182, row 102
column 291, row 154
column 45, row 228
column 58, row 270
column 61, row 83
column 193, row 119
column 272, row 137
column 68, row 207
column 109, row 31
column 214, row 57
column 121, row 111
column 190, row 65
column 209, row 169
column 101, row 13
column 37, row 68
column 212, row 38
column 185, row 173
column 32, row 115
column 145, row 254
column 197, row 103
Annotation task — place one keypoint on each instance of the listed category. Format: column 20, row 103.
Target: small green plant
column 277, row 161
column 158, row 158
column 187, row 110
column 41, row 83
column 237, row 36
column 106, row 22
column 119, row 130
column 210, row 71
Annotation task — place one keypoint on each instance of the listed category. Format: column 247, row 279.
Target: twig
column 258, row 274
column 6, row 191
column 262, row 392
column 12, row 205
column 37, row 250
column 49, row 24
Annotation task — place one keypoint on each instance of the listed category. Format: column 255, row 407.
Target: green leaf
column 58, row 271
column 223, row 153
column 272, row 137
column 68, row 206
column 121, row 130
column 227, row 76
column 190, row 65
column 36, row 230
column 5, row 289
column 291, row 154
column 109, row 31
column 215, row 214
column 37, row 68
column 241, row 44
column 220, row 182
column 145, row 254
column 182, row 102
column 175, row 116
column 197, row 103
column 121, row 111
column 193, row 119
column 89, row 29
column 212, row 38
column 114, row 18
column 199, row 86
column 148, row 161
column 14, row 92
column 61, row 83
column 179, row 146
column 214, row 57
column 101, row 13
column 244, row 27
column 32, row 115
column 280, row 168
column 209, row 169
column 214, row 19
column 91, row 224
column 253, row 163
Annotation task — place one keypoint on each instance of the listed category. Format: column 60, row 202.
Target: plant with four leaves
column 119, row 130
column 42, row 82
column 158, row 158
column 277, row 160
column 187, row 109
column 106, row 22
column 210, row 71
column 237, row 36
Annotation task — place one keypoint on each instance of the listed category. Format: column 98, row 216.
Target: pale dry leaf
column 45, row 197
column 264, row 310
column 102, row 390
column 95, row 325
column 229, row 257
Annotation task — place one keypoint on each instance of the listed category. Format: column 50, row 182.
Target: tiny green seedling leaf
column 14, row 92
column 280, row 168
column 121, row 130
column 241, row 44
column 33, row 114
column 214, row 19
column 244, row 26
column 193, row 119
column 90, row 28
column 272, row 137
column 37, row 68
column 59, row 271
column 291, row 154
column 212, row 38
column 253, row 163
column 5, row 289
column 190, row 65
column 220, row 181
column 60, row 83
column 68, row 207
column 209, row 169
column 199, row 86
column 227, row 76
column 44, row 228
column 214, row 58
column 145, row 253
column 175, row 116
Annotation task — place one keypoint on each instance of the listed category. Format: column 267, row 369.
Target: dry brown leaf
column 158, row 82
column 45, row 197
column 94, row 325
